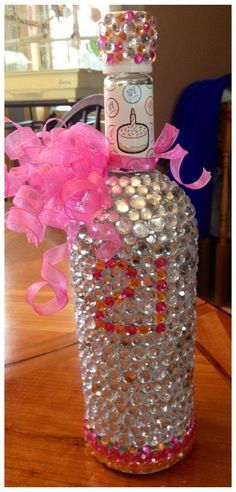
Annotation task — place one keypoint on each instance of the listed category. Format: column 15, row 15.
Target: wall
column 194, row 44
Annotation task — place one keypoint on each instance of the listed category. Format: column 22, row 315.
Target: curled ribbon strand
column 54, row 279
column 176, row 156
column 61, row 182
column 162, row 149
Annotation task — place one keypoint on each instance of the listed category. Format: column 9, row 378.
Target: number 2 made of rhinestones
column 108, row 301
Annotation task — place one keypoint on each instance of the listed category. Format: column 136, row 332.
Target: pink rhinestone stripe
column 103, row 306
column 133, row 460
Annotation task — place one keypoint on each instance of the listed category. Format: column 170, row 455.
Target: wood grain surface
column 43, row 400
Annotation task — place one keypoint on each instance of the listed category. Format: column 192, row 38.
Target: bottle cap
column 128, row 41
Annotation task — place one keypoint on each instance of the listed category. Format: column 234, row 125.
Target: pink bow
column 66, row 172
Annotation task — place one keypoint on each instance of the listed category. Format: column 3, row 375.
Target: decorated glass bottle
column 135, row 315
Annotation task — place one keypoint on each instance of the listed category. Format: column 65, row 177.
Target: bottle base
column 131, row 461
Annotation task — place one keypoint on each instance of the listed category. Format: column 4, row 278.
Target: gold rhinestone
column 134, row 215
column 129, row 190
column 146, row 213
column 142, row 190
column 122, row 206
column 135, row 181
column 137, row 202
column 153, row 198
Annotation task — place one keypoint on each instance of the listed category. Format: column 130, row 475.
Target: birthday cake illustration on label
column 133, row 137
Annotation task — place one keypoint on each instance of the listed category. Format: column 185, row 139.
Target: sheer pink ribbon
column 66, row 172
column 54, row 279
column 176, row 156
column 161, row 150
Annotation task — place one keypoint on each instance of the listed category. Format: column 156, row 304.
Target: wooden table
column 44, row 409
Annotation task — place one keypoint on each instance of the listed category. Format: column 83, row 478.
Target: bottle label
column 129, row 121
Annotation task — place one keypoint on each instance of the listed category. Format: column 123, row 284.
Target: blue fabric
column 197, row 116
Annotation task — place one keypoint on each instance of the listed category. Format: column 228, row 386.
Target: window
column 52, row 37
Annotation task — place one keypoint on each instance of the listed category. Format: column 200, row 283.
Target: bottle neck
column 127, row 68
column 129, row 124
column 128, row 77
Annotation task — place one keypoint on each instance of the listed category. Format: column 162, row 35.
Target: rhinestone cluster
column 131, row 291
column 128, row 36
column 143, row 460
column 136, row 323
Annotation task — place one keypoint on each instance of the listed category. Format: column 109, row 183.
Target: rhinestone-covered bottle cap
column 128, row 41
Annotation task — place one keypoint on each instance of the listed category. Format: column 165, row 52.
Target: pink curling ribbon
column 53, row 278
column 61, row 182
column 162, row 149
column 176, row 156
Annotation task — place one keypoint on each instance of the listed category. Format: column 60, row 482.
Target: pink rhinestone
column 128, row 292
column 109, row 327
column 174, row 441
column 97, row 447
column 160, row 307
column 153, row 44
column 129, row 16
column 102, row 42
column 146, row 26
column 113, row 180
column 118, row 47
column 152, row 55
column 156, row 455
column 97, row 274
column 109, row 301
column 106, row 452
column 111, row 263
column 100, row 314
column 136, row 457
column 110, row 58
column 131, row 330
column 146, row 450
column 165, row 453
column 160, row 328
column 161, row 454
column 131, row 272
column 138, row 58
column 127, row 457
column 161, row 285
column 190, row 431
column 115, row 455
column 160, row 262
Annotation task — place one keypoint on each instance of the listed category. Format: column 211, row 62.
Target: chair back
column 83, row 109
